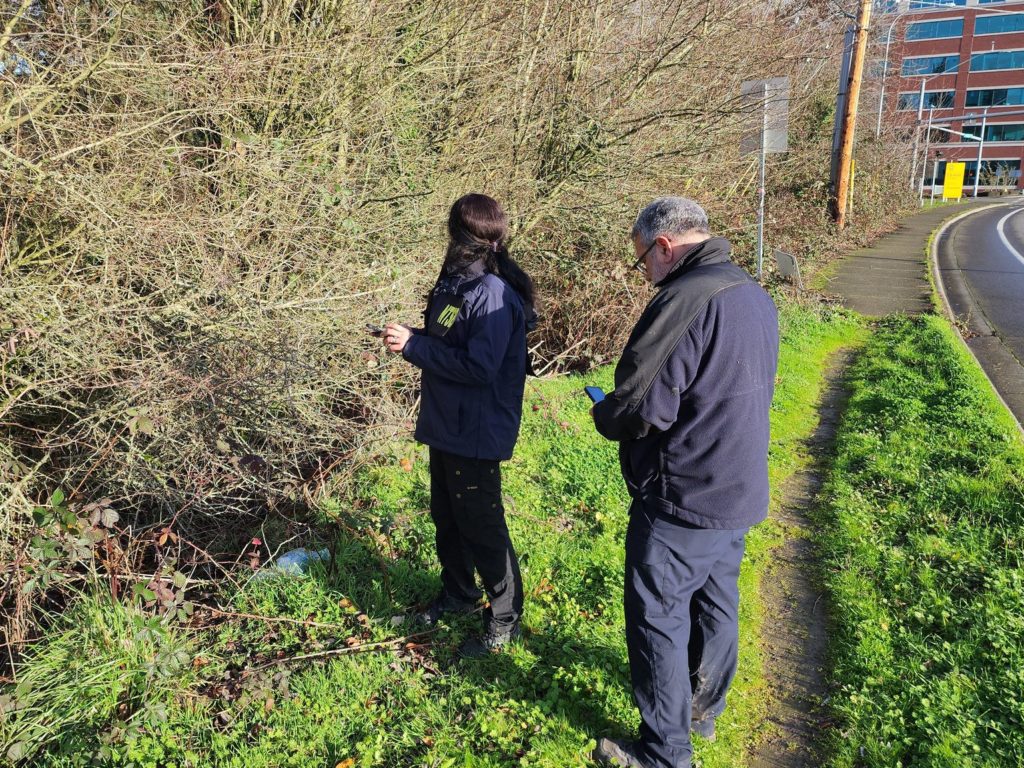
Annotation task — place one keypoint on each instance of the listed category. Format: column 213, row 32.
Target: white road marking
column 1000, row 228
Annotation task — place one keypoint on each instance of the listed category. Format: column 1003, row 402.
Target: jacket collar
column 467, row 271
column 455, row 277
column 714, row 250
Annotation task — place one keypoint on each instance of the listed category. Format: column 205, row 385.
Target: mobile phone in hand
column 374, row 330
column 596, row 394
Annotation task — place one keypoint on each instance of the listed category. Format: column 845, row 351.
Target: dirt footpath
column 795, row 630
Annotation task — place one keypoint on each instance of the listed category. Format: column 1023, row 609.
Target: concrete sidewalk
column 892, row 275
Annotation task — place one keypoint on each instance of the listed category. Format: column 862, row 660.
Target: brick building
column 970, row 56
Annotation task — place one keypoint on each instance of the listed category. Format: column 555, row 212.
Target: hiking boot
column 704, row 728
column 617, row 753
column 443, row 604
column 493, row 638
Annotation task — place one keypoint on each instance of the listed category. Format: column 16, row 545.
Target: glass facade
column 994, row 24
column 994, row 173
column 936, row 99
column 919, row 4
column 998, row 132
column 932, row 30
column 980, row 62
column 995, row 97
column 931, row 65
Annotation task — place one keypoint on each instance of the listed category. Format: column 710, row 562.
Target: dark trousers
column 682, row 602
column 465, row 503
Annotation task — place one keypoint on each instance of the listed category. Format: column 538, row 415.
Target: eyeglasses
column 639, row 264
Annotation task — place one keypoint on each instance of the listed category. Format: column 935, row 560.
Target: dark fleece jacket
column 692, row 394
column 473, row 357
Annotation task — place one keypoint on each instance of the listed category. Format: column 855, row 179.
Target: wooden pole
column 860, row 46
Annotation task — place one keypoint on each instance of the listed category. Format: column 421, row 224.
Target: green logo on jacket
column 448, row 315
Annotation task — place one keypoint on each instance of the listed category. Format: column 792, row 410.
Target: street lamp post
column 885, row 74
column 924, row 158
column 981, row 146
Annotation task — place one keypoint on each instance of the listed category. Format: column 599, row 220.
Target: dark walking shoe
column 704, row 728
column 616, row 753
column 493, row 638
column 442, row 604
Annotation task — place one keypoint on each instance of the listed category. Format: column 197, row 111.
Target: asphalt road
column 981, row 264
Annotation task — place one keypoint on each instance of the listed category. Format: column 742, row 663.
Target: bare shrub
column 205, row 202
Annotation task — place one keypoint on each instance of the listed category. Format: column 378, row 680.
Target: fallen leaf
column 406, row 465
column 348, row 762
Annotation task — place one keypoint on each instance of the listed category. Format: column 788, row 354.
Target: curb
column 947, row 309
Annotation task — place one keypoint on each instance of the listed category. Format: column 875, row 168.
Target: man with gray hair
column 690, row 413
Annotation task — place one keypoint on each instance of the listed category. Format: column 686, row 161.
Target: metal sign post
column 760, row 186
column 772, row 136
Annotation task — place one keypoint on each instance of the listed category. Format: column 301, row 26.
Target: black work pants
column 682, row 632
column 465, row 503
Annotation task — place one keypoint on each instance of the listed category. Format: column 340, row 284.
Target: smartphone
column 596, row 394
column 374, row 330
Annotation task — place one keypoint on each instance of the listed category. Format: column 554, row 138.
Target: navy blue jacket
column 473, row 357
column 692, row 394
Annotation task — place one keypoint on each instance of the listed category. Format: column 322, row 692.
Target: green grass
column 924, row 535
column 542, row 704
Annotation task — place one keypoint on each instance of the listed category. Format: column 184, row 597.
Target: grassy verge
column 542, row 704
column 924, row 535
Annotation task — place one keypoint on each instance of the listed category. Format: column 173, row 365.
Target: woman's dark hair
column 478, row 229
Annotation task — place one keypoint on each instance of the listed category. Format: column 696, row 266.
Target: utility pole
column 850, row 118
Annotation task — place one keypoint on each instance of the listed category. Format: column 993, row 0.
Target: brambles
column 205, row 203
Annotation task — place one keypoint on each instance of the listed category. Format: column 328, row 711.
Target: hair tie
column 494, row 246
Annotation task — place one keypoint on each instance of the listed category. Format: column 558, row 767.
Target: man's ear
column 664, row 249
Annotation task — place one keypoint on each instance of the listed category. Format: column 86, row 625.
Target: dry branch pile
column 205, row 201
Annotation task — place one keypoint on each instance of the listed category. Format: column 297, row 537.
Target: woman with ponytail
column 472, row 352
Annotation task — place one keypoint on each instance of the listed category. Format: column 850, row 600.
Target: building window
column 930, row 65
column 994, row 173
column 986, row 2
column 936, row 99
column 933, row 30
column 993, row 24
column 916, row 5
column 998, row 131
column 981, row 62
column 995, row 97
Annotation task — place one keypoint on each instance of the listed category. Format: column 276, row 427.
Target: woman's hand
column 396, row 336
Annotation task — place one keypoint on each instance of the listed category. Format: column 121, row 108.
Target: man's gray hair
column 670, row 216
